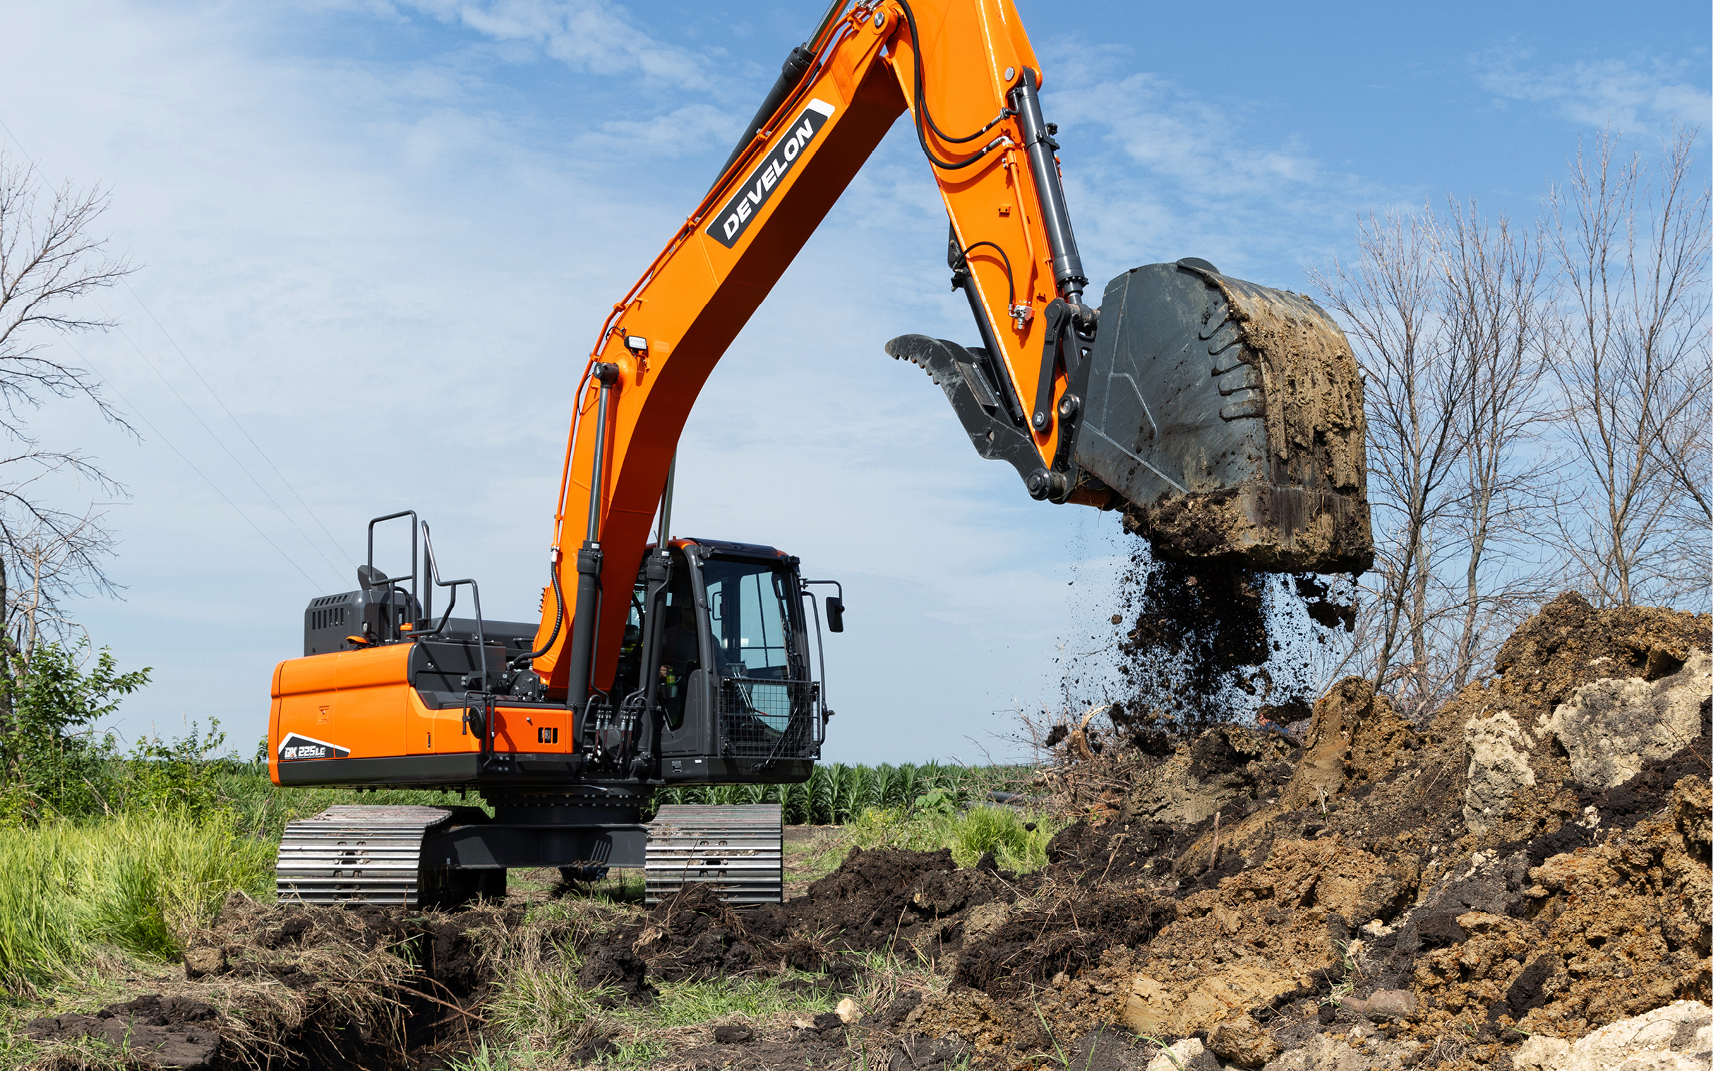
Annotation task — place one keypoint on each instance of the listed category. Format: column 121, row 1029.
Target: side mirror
column 370, row 577
column 835, row 614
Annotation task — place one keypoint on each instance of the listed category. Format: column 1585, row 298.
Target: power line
column 170, row 445
column 239, row 425
column 217, row 440
column 181, row 455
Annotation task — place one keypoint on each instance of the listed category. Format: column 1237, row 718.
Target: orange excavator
column 1224, row 418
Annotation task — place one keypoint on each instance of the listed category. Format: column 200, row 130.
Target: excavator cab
column 719, row 645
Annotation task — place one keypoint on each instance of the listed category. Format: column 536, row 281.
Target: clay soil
column 1359, row 889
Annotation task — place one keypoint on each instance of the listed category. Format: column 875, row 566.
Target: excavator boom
column 1223, row 417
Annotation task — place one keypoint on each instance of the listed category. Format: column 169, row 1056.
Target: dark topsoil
column 1248, row 886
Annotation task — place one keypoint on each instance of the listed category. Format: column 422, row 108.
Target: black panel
column 441, row 665
column 967, row 380
column 1170, row 408
column 426, row 771
column 708, row 770
column 329, row 620
column 519, row 845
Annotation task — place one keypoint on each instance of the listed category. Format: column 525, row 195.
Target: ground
column 1529, row 863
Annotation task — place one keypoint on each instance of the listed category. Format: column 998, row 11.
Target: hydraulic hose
column 925, row 121
column 558, row 619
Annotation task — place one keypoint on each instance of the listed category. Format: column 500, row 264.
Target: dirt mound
column 874, row 900
column 1384, row 878
column 1587, row 700
column 166, row 1031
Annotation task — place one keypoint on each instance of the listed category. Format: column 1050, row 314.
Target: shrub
column 54, row 761
column 176, row 775
column 1017, row 839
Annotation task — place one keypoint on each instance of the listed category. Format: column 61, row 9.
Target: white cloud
column 1172, row 174
column 1638, row 95
column 586, row 35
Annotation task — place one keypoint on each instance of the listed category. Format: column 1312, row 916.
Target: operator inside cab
column 679, row 656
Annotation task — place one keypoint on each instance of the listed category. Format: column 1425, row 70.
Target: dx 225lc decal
column 741, row 210
column 295, row 747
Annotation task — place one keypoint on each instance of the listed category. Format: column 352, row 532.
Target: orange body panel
column 699, row 292
column 361, row 703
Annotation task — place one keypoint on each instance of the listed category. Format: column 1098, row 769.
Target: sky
column 374, row 241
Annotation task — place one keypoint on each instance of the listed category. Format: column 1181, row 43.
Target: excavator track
column 738, row 850
column 352, row 853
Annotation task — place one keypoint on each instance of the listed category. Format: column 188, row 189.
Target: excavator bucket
column 1223, row 417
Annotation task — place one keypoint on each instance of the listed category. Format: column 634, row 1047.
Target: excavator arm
column 968, row 76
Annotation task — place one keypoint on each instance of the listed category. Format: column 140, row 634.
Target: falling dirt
column 1199, row 644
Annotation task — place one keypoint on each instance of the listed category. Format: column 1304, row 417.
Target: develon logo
column 735, row 218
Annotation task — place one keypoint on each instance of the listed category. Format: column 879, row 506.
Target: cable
column 217, row 440
column 108, row 380
column 214, row 486
column 238, row 424
column 1010, row 286
column 558, row 619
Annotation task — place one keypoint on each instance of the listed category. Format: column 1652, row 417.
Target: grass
column 261, row 808
column 539, row 1013
column 837, row 793
column 1004, row 831
column 136, row 882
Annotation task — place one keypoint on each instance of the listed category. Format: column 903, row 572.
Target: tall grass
column 138, row 882
column 262, row 808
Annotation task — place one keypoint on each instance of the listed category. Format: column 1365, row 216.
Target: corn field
column 836, row 793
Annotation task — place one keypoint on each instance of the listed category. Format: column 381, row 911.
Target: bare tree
column 1685, row 443
column 1416, row 386
column 50, row 258
column 1495, row 313
column 49, row 566
column 1631, row 361
column 50, row 261
column 1447, row 317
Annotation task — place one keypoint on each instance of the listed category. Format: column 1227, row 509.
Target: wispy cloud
column 586, row 35
column 1639, row 94
column 1176, row 174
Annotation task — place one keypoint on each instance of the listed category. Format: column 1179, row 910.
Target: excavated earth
column 1530, row 864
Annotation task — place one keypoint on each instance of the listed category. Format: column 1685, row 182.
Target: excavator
column 1223, row 418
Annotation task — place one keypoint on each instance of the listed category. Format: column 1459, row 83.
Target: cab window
column 749, row 611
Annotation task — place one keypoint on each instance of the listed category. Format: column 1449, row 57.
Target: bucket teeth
column 919, row 350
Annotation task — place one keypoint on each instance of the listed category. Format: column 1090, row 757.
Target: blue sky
column 382, row 235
